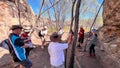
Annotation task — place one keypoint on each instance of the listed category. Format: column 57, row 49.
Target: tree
column 72, row 14
column 72, row 54
column 96, row 15
column 60, row 12
column 36, row 22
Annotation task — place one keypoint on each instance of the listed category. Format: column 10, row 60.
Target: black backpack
column 39, row 34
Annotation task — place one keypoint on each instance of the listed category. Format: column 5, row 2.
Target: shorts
column 80, row 40
column 42, row 38
column 26, row 63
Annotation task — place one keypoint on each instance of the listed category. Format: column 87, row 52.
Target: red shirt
column 25, row 36
column 81, row 33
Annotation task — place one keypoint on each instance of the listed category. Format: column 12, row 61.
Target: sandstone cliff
column 110, row 34
column 12, row 12
column 19, row 12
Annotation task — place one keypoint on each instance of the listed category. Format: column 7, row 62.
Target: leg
column 26, row 63
column 90, row 51
column 93, row 50
column 79, row 43
column 42, row 40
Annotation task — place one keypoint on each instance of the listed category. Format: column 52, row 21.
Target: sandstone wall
column 9, row 15
column 109, row 34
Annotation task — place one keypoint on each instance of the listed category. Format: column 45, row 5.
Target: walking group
column 20, row 45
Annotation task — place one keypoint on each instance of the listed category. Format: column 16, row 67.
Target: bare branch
column 96, row 15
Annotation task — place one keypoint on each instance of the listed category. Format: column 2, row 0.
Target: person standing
column 42, row 33
column 17, row 47
column 56, row 50
column 93, row 41
column 81, row 37
column 60, row 31
column 27, row 40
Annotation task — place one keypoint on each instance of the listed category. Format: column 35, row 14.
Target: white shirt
column 60, row 32
column 44, row 32
column 56, row 51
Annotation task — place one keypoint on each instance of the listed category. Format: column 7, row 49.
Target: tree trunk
column 39, row 13
column 72, row 14
column 96, row 15
column 71, row 51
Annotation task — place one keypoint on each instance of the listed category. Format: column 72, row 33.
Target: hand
column 88, row 38
column 26, row 46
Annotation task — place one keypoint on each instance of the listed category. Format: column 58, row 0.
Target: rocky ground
column 40, row 59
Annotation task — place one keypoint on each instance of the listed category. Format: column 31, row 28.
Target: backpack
column 4, row 44
column 39, row 34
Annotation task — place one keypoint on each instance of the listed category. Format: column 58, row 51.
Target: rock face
column 12, row 12
column 19, row 12
column 110, row 33
column 111, row 19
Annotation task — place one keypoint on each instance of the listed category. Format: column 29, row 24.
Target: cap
column 94, row 30
column 45, row 26
column 16, row 27
column 27, row 30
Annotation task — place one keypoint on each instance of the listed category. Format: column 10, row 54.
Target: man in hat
column 17, row 47
column 56, row 50
column 42, row 34
column 25, row 36
column 27, row 40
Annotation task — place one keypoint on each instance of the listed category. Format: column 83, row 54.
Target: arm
column 19, row 42
column 92, row 37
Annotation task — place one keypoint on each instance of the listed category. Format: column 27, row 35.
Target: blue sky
column 35, row 4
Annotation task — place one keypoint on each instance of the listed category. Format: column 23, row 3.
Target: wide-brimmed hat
column 54, row 36
column 45, row 27
column 16, row 27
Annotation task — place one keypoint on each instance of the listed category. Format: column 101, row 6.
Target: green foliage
column 52, row 29
column 66, row 28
